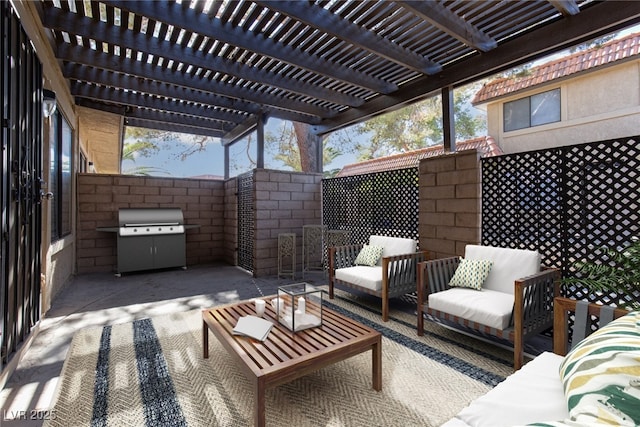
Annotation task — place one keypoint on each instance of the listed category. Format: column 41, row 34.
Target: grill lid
column 150, row 221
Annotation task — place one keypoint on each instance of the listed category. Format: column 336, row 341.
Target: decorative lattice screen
column 383, row 203
column 566, row 202
column 245, row 221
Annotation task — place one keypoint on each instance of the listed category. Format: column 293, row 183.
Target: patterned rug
column 151, row 373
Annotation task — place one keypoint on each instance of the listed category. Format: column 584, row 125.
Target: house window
column 534, row 110
column 60, row 174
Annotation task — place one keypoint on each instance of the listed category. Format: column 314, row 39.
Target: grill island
column 150, row 238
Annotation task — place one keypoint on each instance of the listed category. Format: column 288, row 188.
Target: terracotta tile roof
column 613, row 51
column 485, row 144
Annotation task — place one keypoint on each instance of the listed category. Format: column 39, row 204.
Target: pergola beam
column 190, row 20
column 595, row 21
column 72, row 23
column 330, row 23
column 442, row 18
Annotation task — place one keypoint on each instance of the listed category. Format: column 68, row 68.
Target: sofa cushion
column 361, row 275
column 531, row 394
column 491, row 308
column 369, row 255
column 393, row 246
column 471, row 273
column 601, row 375
column 508, row 265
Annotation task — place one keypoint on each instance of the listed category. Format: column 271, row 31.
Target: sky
column 210, row 161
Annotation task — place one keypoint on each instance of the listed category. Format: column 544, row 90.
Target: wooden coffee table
column 285, row 356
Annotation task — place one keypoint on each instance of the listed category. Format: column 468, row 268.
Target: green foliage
column 417, row 126
column 618, row 272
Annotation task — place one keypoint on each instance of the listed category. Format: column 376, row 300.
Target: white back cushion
column 508, row 265
column 394, row 245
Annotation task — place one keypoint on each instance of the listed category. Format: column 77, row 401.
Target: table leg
column 259, row 404
column 205, row 340
column 376, row 365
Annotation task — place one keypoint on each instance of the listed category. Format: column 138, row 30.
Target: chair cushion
column 471, row 273
column 491, row 308
column 361, row 275
column 393, row 245
column 369, row 255
column 601, row 375
column 509, row 265
column 531, row 394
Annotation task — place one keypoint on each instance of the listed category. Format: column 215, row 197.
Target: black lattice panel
column 564, row 202
column 383, row 203
column 245, row 221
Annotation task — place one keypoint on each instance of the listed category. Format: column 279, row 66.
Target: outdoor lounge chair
column 391, row 274
column 513, row 301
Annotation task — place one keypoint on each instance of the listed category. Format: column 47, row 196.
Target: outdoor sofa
column 592, row 385
column 500, row 292
column 386, row 268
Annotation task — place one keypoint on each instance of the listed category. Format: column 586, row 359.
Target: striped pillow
column 601, row 375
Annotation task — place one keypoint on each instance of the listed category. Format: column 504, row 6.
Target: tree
column 293, row 146
column 416, row 126
column 144, row 143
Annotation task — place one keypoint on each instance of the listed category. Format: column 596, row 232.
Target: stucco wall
column 449, row 205
column 100, row 197
column 597, row 106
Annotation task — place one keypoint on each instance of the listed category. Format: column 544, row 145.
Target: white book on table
column 253, row 327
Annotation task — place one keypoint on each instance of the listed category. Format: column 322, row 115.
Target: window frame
column 530, row 114
column 61, row 176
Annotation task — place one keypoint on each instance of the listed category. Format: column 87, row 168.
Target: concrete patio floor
column 98, row 299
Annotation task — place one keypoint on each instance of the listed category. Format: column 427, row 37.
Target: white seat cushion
column 491, row 308
column 532, row 394
column 508, row 266
column 361, row 275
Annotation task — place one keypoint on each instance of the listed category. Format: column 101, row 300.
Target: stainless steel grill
column 150, row 238
column 137, row 222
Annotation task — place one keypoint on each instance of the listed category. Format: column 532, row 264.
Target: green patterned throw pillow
column 601, row 375
column 471, row 273
column 369, row 255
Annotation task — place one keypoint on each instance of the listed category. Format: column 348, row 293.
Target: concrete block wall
column 284, row 202
column 101, row 196
column 449, row 206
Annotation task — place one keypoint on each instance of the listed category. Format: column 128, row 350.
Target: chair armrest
column 533, row 297
column 401, row 268
column 342, row 256
column 561, row 309
column 434, row 276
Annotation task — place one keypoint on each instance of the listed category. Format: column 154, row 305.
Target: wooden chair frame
column 532, row 308
column 398, row 273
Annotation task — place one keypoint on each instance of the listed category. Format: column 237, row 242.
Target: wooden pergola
column 220, row 68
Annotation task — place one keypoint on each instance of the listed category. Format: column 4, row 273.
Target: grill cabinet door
column 135, row 253
column 169, row 251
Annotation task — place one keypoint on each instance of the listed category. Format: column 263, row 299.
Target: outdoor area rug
column 151, row 372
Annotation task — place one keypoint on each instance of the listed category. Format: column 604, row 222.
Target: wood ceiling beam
column 595, row 21
column 172, row 127
column 254, row 101
column 172, row 93
column 447, row 21
column 199, row 23
column 75, row 24
column 101, row 93
column 566, row 7
column 214, row 128
column 330, row 23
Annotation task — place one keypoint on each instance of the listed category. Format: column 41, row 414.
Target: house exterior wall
column 100, row 135
column 449, row 203
column 101, row 196
column 600, row 105
column 284, row 202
